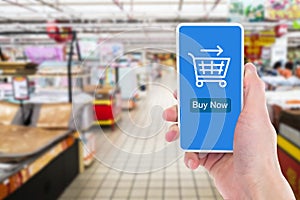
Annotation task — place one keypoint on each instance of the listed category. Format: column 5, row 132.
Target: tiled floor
column 173, row 182
column 135, row 162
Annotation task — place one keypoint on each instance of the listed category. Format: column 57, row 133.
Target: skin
column 252, row 171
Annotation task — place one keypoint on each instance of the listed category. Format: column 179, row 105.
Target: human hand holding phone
column 252, row 170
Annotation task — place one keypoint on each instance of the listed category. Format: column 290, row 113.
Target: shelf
column 46, row 76
column 58, row 75
column 10, row 181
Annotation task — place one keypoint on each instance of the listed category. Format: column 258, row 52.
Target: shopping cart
column 210, row 69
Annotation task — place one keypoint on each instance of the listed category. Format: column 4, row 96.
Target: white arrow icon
column 219, row 50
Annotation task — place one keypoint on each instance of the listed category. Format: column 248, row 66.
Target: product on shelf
column 58, row 68
column 19, row 68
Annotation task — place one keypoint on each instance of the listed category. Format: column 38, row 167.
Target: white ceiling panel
column 95, row 8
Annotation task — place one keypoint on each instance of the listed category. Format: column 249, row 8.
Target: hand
column 253, row 170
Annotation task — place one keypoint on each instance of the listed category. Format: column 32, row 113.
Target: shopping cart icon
column 210, row 69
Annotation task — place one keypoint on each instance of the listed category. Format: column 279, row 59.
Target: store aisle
column 174, row 182
column 141, row 164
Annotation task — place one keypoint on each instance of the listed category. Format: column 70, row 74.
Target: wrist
column 272, row 185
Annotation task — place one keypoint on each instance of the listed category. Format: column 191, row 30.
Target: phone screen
column 210, row 72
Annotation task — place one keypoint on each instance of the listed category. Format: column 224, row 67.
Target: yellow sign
column 263, row 38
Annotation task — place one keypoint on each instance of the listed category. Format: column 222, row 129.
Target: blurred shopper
column 287, row 72
column 297, row 71
column 277, row 66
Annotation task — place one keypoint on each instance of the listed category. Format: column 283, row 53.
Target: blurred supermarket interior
column 83, row 86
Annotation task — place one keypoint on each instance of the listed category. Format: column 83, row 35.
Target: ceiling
column 111, row 10
column 136, row 23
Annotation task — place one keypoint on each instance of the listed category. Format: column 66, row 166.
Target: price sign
column 21, row 88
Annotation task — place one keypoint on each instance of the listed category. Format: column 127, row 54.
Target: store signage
column 262, row 38
column 210, row 63
column 20, row 88
column 266, row 37
column 278, row 10
column 281, row 30
column 40, row 54
column 254, row 42
column 253, row 52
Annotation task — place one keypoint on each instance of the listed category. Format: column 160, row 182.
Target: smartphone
column 210, row 60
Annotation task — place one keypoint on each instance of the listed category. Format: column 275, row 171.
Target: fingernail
column 174, row 128
column 190, row 163
column 250, row 69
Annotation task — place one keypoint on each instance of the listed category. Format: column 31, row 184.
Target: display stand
column 45, row 175
column 107, row 105
column 70, row 54
column 107, row 102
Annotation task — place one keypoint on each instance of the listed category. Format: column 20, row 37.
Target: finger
column 254, row 90
column 212, row 159
column 202, row 155
column 191, row 160
column 202, row 158
column 170, row 114
column 173, row 133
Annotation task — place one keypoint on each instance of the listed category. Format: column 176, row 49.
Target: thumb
column 254, row 91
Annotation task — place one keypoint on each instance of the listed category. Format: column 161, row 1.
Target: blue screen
column 210, row 68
